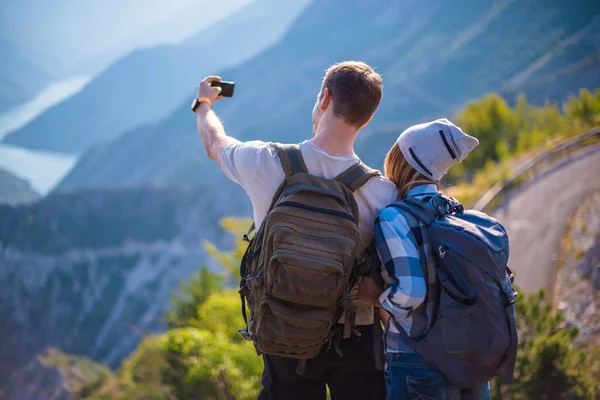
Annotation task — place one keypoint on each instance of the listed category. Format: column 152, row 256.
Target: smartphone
column 226, row 87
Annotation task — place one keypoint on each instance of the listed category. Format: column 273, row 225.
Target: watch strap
column 201, row 100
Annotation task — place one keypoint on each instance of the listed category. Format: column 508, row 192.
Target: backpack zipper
column 325, row 239
column 307, row 258
column 334, row 213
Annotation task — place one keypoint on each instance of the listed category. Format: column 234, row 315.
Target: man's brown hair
column 356, row 90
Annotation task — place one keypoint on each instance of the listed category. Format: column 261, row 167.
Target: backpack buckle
column 247, row 335
column 442, row 251
column 447, row 205
column 255, row 282
column 510, row 299
column 244, row 291
column 509, row 293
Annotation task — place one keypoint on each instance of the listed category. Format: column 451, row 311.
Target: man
column 349, row 95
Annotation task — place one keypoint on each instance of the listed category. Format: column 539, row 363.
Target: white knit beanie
column 433, row 147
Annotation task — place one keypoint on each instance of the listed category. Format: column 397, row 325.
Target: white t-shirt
column 256, row 167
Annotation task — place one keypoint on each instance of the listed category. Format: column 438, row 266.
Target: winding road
column 536, row 217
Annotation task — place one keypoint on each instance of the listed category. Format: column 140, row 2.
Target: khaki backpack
column 298, row 269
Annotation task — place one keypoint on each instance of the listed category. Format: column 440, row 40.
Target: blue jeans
column 409, row 377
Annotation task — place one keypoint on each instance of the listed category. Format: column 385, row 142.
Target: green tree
column 221, row 313
column 549, row 365
column 192, row 293
column 491, row 120
column 585, row 108
column 207, row 365
column 140, row 376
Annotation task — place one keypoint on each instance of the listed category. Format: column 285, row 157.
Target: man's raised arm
column 209, row 126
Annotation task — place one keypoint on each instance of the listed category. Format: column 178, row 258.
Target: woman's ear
column 325, row 100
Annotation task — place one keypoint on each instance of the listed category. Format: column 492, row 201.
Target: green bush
column 140, row 376
column 193, row 292
column 204, row 364
column 221, row 312
column 209, row 361
column 549, row 364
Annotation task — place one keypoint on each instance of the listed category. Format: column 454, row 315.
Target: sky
column 68, row 37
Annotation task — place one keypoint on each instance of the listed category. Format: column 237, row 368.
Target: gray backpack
column 473, row 337
column 298, row 270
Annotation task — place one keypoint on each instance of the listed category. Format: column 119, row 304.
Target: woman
column 418, row 160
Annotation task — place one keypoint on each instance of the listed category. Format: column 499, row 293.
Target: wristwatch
column 199, row 100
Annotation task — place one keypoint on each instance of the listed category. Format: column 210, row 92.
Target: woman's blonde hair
column 399, row 171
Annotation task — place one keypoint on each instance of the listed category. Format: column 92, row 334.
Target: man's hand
column 369, row 291
column 205, row 90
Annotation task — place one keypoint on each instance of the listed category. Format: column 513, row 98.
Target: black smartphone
column 226, row 87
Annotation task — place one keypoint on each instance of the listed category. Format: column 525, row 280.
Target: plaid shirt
column 406, row 255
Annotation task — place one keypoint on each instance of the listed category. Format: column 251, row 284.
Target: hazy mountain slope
column 70, row 37
column 174, row 22
column 149, row 84
column 92, row 272
column 433, row 55
column 571, row 64
column 20, row 79
column 15, row 190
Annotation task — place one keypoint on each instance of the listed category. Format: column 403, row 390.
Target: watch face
column 194, row 104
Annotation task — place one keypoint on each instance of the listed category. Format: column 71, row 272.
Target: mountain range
column 20, row 78
column 149, row 84
column 433, row 56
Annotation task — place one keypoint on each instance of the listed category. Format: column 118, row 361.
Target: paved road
column 536, row 218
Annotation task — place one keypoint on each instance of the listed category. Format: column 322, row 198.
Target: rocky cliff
column 92, row 272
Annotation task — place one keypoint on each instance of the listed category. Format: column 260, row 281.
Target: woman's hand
column 369, row 291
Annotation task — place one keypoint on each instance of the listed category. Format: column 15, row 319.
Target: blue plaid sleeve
column 401, row 267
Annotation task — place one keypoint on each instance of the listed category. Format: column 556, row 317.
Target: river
column 43, row 169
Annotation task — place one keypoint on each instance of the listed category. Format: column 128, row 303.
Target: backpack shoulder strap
column 356, row 176
column 418, row 209
column 291, row 159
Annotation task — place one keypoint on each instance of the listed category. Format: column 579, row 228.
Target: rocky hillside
column 433, row 55
column 578, row 277
column 55, row 375
column 92, row 272
column 149, row 84
column 15, row 190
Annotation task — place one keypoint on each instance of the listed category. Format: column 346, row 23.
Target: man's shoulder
column 378, row 192
column 245, row 161
column 382, row 185
column 252, row 150
column 253, row 144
